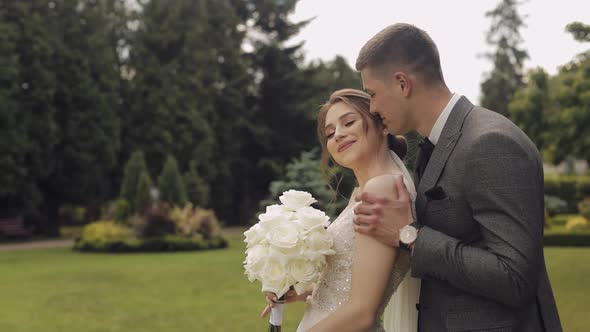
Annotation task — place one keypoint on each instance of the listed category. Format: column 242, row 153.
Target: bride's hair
column 360, row 101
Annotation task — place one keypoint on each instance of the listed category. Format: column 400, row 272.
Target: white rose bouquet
column 287, row 248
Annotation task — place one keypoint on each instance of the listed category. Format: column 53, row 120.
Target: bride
column 364, row 275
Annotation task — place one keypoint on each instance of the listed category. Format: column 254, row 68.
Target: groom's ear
column 404, row 83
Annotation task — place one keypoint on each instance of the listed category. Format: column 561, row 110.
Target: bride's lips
column 345, row 145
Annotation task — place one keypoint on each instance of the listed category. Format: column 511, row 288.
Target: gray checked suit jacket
column 480, row 250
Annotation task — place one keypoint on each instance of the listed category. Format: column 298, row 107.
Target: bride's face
column 349, row 140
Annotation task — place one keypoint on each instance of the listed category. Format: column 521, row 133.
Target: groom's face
column 386, row 101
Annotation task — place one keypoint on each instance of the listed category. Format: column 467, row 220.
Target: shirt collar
column 442, row 119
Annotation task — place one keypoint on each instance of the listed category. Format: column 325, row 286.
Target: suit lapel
column 443, row 149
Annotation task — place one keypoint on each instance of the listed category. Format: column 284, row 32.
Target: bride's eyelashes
column 347, row 124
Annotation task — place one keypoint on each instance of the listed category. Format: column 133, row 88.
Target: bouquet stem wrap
column 276, row 314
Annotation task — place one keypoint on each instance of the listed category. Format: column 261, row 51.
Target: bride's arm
column 372, row 267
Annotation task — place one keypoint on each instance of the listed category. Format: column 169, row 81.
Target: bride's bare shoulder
column 383, row 185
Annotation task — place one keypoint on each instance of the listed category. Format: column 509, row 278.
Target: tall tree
column 29, row 131
column 555, row 111
column 170, row 102
column 280, row 120
column 572, row 93
column 86, row 101
column 507, row 73
column 579, row 30
column 231, row 82
column 531, row 108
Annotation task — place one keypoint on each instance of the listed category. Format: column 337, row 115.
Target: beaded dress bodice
column 334, row 286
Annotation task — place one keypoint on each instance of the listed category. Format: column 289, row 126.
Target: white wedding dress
column 334, row 286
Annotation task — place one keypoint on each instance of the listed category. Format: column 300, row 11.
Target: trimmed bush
column 159, row 228
column 118, row 210
column 569, row 188
column 144, row 198
column 554, row 205
column 134, row 168
column 106, row 231
column 166, row 243
column 191, row 221
column 567, row 239
column 157, row 222
column 584, row 208
column 196, row 189
column 577, row 224
column 561, row 219
column 171, row 183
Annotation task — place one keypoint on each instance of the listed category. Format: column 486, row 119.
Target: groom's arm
column 504, row 188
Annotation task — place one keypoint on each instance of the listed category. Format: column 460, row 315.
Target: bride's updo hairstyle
column 360, row 101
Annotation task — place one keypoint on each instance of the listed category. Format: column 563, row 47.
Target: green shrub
column 134, row 168
column 171, row 184
column 101, row 232
column 554, row 205
column 208, row 224
column 569, row 188
column 197, row 189
column 157, row 222
column 157, row 244
column 144, row 197
column 584, row 187
column 577, row 224
column 118, row 210
column 195, row 221
column 561, row 219
column 584, row 208
column 567, row 240
column 71, row 215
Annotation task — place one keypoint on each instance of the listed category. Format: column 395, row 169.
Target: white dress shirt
column 442, row 119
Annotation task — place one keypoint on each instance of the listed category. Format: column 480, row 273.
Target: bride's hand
column 290, row 297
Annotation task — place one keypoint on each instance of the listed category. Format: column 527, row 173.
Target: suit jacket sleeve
column 503, row 186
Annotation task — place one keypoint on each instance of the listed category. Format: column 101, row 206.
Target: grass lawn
column 61, row 290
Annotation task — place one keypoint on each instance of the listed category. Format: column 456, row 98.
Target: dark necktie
column 426, row 148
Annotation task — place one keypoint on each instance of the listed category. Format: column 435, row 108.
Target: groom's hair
column 402, row 46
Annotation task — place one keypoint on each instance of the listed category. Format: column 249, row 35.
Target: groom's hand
column 383, row 217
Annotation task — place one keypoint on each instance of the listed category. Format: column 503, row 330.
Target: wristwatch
column 408, row 235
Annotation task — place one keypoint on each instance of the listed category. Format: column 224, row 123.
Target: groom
column 477, row 244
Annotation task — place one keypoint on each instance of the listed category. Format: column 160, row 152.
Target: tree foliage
column 555, row 110
column 171, row 184
column 508, row 56
column 214, row 84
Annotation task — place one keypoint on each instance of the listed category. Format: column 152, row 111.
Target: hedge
column 567, row 240
column 570, row 188
column 156, row 244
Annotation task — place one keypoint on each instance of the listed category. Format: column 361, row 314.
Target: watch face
column 408, row 234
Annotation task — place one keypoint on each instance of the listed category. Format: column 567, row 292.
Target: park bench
column 13, row 227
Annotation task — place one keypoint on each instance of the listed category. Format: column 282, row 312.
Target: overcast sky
column 457, row 27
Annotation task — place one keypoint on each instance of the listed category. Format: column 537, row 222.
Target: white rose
column 255, row 260
column 284, row 234
column 274, row 212
column 253, row 236
column 318, row 242
column 274, row 277
column 310, row 218
column 303, row 271
column 295, row 199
